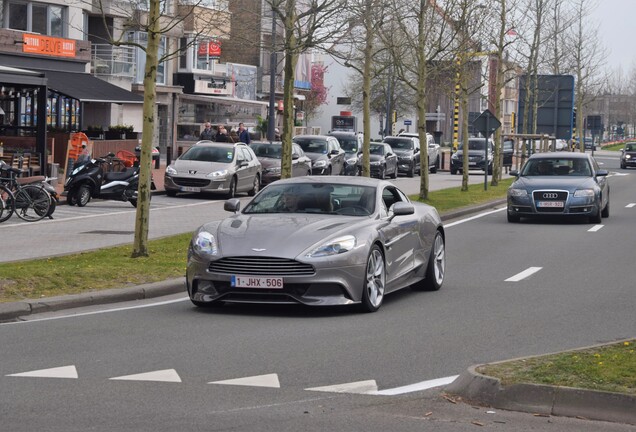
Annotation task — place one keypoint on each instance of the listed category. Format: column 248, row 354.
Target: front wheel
column 83, row 196
column 232, row 191
column 32, row 203
column 605, row 212
column 255, row 186
column 7, row 203
column 374, row 282
column 436, row 268
column 513, row 218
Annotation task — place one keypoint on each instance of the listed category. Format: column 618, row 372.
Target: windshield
column 321, row 198
column 209, row 154
column 400, row 144
column 349, row 145
column 312, row 145
column 376, row 149
column 474, row 144
column 556, row 167
column 273, row 151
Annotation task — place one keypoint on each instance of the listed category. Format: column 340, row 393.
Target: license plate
column 558, row 204
column 241, row 281
column 190, row 189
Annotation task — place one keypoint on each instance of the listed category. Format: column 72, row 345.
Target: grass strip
column 609, row 368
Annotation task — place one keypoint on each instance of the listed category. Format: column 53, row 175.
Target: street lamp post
column 271, row 124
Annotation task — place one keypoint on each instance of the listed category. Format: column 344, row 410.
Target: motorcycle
column 36, row 180
column 89, row 180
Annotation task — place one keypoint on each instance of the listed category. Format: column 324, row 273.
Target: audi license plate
column 241, row 281
column 190, row 189
column 558, row 204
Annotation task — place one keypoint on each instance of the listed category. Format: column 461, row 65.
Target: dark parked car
column 351, row 143
column 382, row 161
column 551, row 184
column 214, row 167
column 628, row 155
column 270, row 156
column 476, row 156
column 407, row 150
column 327, row 157
column 508, row 152
column 318, row 241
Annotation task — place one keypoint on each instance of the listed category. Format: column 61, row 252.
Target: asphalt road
column 290, row 362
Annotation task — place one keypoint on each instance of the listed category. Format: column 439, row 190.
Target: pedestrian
column 243, row 134
column 207, row 133
column 221, row 136
column 276, row 134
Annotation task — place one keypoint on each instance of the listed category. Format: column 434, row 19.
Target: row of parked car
column 229, row 168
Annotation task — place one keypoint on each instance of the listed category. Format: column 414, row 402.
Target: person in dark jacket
column 207, row 133
column 221, row 136
column 243, row 134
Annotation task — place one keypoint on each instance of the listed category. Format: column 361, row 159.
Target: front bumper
column 458, row 164
column 196, row 184
column 528, row 206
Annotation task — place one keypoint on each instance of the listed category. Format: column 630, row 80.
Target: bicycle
column 31, row 202
column 7, row 203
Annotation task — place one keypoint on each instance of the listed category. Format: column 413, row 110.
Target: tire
column 7, row 204
column 83, row 195
column 623, row 165
column 374, row 281
column 596, row 219
column 434, row 168
column 32, row 203
column 395, row 172
column 133, row 201
column 436, row 267
column 71, row 198
column 606, row 210
column 255, row 186
column 411, row 172
column 512, row 218
column 382, row 173
column 232, row 192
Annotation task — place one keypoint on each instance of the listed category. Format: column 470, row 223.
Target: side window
column 240, row 155
column 390, row 195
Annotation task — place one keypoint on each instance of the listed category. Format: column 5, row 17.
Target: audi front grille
column 550, row 195
column 261, row 266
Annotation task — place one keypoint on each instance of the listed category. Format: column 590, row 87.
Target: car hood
column 376, row 158
column 316, row 156
column 269, row 162
column 403, row 152
column 281, row 235
column 200, row 167
column 554, row 182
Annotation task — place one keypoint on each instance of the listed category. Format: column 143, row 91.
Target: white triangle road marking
column 166, row 375
column 424, row 385
column 630, row 205
column 358, row 387
column 269, row 380
column 57, row 372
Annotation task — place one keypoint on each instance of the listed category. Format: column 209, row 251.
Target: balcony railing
column 109, row 60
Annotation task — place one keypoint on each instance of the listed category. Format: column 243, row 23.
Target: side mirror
column 514, row 173
column 242, row 164
column 334, row 152
column 402, row 209
column 232, row 205
column 602, row 172
column 295, row 156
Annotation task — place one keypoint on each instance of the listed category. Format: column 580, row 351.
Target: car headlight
column 204, row 243
column 171, row 171
column 352, row 161
column 375, row 163
column 584, row 193
column 628, row 156
column 334, row 247
column 219, row 174
column 517, row 192
column 320, row 163
column 274, row 170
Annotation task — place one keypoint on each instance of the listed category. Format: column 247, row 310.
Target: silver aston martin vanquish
column 318, row 241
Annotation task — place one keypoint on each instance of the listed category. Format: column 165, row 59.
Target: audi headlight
column 171, row 171
column 517, row 192
column 205, row 244
column 628, row 156
column 584, row 193
column 218, row 174
column 334, row 247
column 320, row 163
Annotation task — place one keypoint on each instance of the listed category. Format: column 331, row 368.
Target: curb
column 15, row 310
column 454, row 214
column 544, row 399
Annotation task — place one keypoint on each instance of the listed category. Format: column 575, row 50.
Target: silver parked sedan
column 318, row 241
column 559, row 184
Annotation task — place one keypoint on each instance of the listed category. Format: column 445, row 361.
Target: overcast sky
column 616, row 19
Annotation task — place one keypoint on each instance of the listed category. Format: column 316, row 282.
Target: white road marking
column 524, row 274
column 269, row 380
column 358, row 387
column 166, row 375
column 630, row 205
column 480, row 215
column 595, row 228
column 57, row 372
column 424, row 385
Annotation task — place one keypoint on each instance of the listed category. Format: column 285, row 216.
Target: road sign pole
column 486, row 153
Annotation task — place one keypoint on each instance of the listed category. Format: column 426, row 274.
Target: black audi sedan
column 628, row 155
column 551, row 184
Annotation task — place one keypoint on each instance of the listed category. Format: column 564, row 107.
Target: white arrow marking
column 424, row 385
column 58, row 372
column 269, row 380
column 524, row 274
column 359, row 387
column 630, row 205
column 166, row 375
column 595, row 228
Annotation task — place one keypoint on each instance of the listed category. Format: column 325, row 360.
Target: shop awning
column 87, row 88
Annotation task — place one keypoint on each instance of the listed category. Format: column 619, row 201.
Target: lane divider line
column 524, row 274
column 595, row 228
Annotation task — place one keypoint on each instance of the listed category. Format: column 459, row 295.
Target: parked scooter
column 36, row 180
column 88, row 180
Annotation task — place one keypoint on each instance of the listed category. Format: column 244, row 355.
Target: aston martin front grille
column 257, row 266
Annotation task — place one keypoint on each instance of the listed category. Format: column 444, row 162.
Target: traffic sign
column 486, row 123
column 408, row 122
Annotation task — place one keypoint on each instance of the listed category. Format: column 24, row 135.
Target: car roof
column 346, row 180
column 313, row 136
column 559, row 155
column 206, row 143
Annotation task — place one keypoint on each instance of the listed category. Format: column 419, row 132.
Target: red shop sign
column 211, row 48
